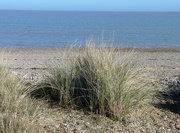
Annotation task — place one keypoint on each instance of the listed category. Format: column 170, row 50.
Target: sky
column 92, row 5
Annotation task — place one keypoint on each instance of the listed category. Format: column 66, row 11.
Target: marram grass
column 18, row 112
column 105, row 86
column 97, row 81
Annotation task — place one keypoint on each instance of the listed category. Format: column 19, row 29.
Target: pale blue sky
column 92, row 5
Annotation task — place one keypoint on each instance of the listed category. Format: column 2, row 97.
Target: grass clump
column 18, row 113
column 97, row 81
column 104, row 85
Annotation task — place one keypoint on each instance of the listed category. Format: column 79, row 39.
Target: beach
column 22, row 58
column 164, row 60
column 89, row 68
column 161, row 64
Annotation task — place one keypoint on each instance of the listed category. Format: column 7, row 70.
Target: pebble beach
column 35, row 58
column 166, row 61
column 162, row 64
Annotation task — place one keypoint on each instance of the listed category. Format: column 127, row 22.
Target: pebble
column 32, row 77
column 177, row 125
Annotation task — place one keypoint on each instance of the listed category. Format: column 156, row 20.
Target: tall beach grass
column 18, row 112
column 96, row 81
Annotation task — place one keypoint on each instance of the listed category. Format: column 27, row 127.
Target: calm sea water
column 42, row 29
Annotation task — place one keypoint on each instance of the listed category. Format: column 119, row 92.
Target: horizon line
column 79, row 10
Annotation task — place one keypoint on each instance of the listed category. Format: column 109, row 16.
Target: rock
column 177, row 125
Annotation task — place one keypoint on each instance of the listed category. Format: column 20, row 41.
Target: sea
column 60, row 29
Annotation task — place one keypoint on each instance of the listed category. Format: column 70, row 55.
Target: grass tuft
column 18, row 113
column 102, row 84
column 97, row 81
